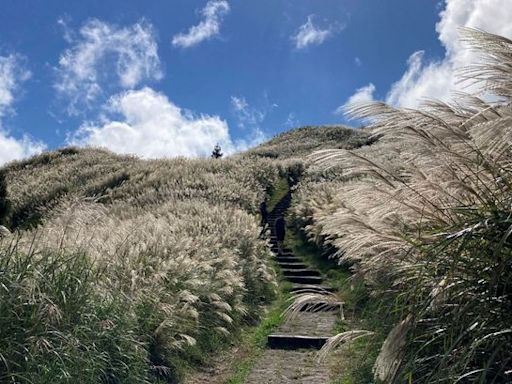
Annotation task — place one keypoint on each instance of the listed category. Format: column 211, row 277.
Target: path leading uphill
column 291, row 354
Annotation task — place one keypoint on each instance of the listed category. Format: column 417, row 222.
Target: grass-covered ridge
column 124, row 270
column 299, row 143
column 129, row 270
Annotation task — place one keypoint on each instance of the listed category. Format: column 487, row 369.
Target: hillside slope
column 424, row 216
column 145, row 264
column 303, row 141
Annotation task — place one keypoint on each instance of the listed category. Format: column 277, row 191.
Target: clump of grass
column 423, row 217
column 132, row 270
column 54, row 325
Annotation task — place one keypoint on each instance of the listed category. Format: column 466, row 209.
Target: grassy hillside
column 303, row 141
column 424, row 219
column 129, row 270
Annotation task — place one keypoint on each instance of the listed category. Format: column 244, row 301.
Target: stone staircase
column 290, row 356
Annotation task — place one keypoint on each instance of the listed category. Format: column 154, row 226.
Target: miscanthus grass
column 123, row 270
column 424, row 216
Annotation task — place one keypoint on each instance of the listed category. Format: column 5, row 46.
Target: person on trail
column 280, row 229
column 263, row 213
column 264, row 216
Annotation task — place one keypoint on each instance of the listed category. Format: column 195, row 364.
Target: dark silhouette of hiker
column 264, row 216
column 280, row 229
column 263, row 213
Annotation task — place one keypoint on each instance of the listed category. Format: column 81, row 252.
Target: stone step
column 300, row 272
column 292, row 265
column 299, row 288
column 277, row 341
column 287, row 259
column 284, row 251
column 304, row 279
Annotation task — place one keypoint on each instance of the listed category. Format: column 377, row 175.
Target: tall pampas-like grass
column 125, row 270
column 424, row 215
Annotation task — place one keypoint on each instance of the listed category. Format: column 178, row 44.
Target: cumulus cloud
column 213, row 14
column 102, row 56
column 361, row 95
column 309, row 34
column 152, row 126
column 12, row 74
column 15, row 149
column 436, row 79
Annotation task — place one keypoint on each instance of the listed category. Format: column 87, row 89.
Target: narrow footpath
column 291, row 353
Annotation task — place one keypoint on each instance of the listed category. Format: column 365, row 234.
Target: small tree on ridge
column 216, row 154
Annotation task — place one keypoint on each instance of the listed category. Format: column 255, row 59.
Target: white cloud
column 213, row 14
column 15, row 149
column 104, row 55
column 151, row 126
column 247, row 116
column 361, row 95
column 357, row 61
column 12, row 73
column 436, row 79
column 309, row 34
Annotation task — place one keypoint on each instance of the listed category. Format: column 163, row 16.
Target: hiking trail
column 291, row 352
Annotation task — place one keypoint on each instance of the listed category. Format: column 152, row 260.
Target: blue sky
column 165, row 78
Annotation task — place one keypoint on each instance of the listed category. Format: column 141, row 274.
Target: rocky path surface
column 291, row 354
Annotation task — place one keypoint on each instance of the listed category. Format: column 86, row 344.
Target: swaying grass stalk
column 424, row 215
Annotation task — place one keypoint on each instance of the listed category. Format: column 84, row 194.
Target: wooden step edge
column 292, row 265
column 291, row 342
column 301, row 272
column 314, row 280
column 288, row 259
